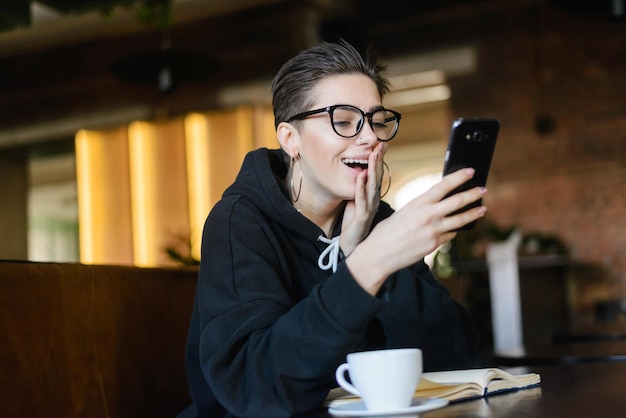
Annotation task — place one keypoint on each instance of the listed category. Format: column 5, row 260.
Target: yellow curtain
column 145, row 189
column 104, row 214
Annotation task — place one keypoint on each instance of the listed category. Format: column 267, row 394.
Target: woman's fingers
column 375, row 169
column 445, row 214
column 427, row 221
column 461, row 199
column 448, row 183
column 360, row 193
column 446, row 204
column 458, row 220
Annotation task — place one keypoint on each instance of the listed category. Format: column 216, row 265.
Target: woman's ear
column 288, row 137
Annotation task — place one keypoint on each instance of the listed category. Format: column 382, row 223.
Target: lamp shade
column 165, row 68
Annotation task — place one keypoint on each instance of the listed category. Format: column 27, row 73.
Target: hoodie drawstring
column 331, row 253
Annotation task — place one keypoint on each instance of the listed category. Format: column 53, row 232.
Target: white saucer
column 358, row 409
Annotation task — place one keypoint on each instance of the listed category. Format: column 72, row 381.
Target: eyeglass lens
column 348, row 121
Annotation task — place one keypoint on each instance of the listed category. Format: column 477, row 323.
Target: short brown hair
column 296, row 79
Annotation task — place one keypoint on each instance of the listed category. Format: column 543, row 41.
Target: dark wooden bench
column 93, row 341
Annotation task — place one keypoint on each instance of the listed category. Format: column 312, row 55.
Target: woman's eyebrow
column 375, row 108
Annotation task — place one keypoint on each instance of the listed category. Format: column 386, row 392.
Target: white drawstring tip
column 330, row 256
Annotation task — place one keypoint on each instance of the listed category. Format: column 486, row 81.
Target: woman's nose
column 367, row 135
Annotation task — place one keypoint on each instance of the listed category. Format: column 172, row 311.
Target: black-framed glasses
column 347, row 121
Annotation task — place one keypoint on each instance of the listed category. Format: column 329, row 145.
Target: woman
column 302, row 263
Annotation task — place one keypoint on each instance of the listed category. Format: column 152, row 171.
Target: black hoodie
column 270, row 327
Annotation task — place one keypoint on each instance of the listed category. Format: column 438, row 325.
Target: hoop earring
column 294, row 196
column 388, row 175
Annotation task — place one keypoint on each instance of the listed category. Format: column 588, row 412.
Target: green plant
column 156, row 13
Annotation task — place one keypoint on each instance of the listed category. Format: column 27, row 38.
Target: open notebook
column 457, row 385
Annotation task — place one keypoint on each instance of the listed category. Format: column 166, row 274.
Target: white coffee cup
column 385, row 379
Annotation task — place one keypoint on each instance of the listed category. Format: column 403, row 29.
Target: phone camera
column 477, row 136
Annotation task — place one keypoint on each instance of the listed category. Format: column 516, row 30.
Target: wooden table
column 567, row 390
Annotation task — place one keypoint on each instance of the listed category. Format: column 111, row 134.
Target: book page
column 483, row 377
column 450, row 391
column 458, row 384
column 478, row 376
column 499, row 380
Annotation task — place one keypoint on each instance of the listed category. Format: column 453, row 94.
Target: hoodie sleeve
column 421, row 313
column 263, row 351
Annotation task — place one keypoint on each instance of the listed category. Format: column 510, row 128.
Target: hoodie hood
column 260, row 181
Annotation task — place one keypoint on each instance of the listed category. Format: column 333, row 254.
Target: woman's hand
column 414, row 231
column 359, row 213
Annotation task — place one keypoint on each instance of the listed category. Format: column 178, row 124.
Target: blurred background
column 122, row 122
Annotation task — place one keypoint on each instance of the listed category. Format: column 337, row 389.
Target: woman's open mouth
column 352, row 163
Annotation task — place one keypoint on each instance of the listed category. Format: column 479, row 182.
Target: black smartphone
column 472, row 143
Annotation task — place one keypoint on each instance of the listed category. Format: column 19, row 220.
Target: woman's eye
column 342, row 123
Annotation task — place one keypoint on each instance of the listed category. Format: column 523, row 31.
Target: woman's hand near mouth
column 359, row 213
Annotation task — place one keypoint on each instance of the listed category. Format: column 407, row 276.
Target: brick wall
column 571, row 182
